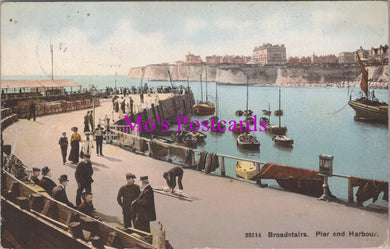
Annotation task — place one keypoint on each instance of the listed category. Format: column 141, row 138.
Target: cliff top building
column 324, row 59
column 346, row 58
column 214, row 59
column 193, row 59
column 269, row 54
column 380, row 54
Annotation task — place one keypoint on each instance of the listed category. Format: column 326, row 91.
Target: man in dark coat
column 170, row 177
column 86, row 122
column 141, row 95
column 59, row 193
column 63, row 142
column 35, row 176
column 86, row 206
column 83, row 176
column 126, row 195
column 99, row 131
column 144, row 206
column 131, row 106
column 32, row 111
column 46, row 183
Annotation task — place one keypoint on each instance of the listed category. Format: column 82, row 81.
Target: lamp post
column 326, row 170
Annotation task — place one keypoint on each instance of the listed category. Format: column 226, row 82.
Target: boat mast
column 247, row 82
column 269, row 113
column 201, row 89
column 170, row 78
column 206, row 88
column 216, row 100
column 188, row 81
column 279, row 108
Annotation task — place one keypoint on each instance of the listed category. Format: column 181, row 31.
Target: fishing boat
column 178, row 136
column 190, row 140
column 239, row 113
column 283, row 140
column 278, row 113
column 246, row 170
column 248, row 141
column 200, row 136
column 267, row 112
column 247, row 113
column 239, row 130
column 264, row 120
column 204, row 108
column 277, row 130
column 370, row 110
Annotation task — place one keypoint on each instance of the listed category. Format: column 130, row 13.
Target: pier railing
column 127, row 140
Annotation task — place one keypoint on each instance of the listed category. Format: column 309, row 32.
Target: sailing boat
column 366, row 109
column 204, row 108
column 277, row 130
column 245, row 140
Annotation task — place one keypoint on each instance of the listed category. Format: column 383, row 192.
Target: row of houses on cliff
column 268, row 54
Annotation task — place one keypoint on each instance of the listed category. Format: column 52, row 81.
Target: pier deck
column 223, row 212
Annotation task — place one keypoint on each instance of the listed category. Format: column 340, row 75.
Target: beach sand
column 223, row 210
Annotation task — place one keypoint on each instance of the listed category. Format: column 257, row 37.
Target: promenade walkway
column 223, row 212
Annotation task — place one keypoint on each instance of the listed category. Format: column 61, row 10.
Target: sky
column 101, row 38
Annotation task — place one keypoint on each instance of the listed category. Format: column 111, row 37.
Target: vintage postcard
column 194, row 124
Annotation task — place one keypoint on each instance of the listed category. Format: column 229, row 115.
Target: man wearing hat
column 83, row 176
column 86, row 122
column 99, row 140
column 126, row 195
column 35, row 176
column 63, row 142
column 59, row 193
column 144, row 206
column 46, row 183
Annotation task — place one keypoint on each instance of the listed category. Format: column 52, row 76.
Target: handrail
column 258, row 163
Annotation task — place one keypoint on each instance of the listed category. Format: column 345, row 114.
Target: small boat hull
column 200, row 136
column 266, row 112
column 190, row 140
column 204, row 109
column 278, row 113
column 238, row 128
column 277, row 130
column 239, row 113
column 370, row 113
column 283, row 141
column 246, row 170
column 248, row 142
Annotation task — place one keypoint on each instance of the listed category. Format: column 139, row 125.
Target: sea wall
column 266, row 75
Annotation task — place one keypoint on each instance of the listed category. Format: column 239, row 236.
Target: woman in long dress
column 75, row 140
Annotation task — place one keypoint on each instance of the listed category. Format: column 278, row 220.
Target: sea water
column 318, row 119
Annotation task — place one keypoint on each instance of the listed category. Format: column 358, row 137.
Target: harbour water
column 312, row 116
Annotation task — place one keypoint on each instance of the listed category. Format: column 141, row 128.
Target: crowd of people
column 136, row 201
